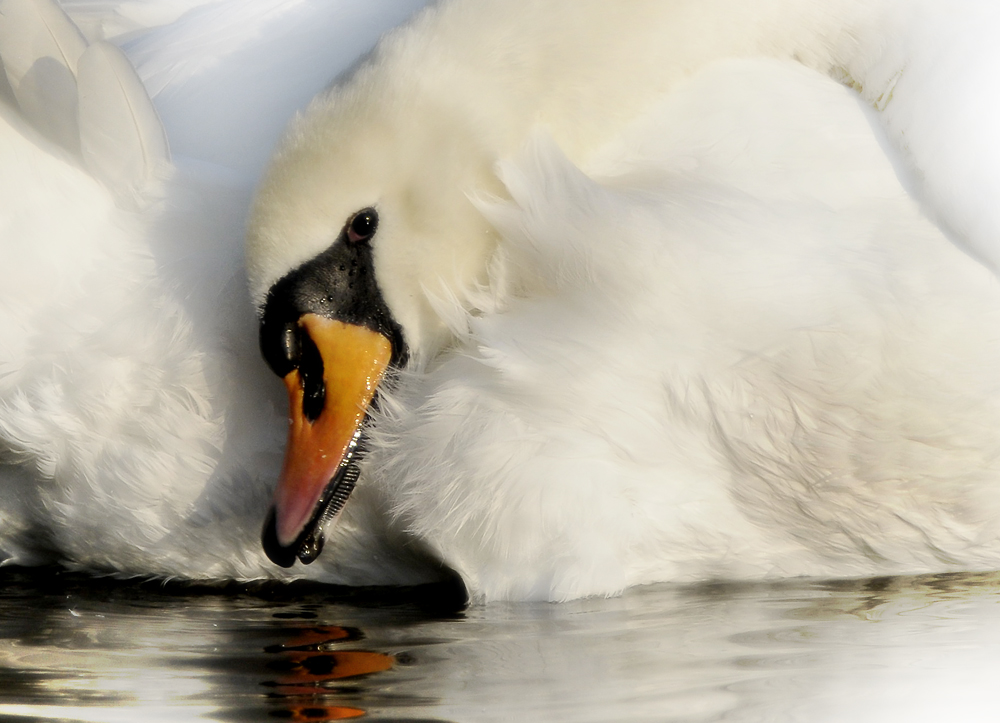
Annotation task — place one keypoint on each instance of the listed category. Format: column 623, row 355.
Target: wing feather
column 122, row 140
column 40, row 47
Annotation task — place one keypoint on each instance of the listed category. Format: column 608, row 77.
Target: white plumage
column 731, row 366
column 707, row 333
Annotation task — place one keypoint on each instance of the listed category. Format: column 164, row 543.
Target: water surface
column 891, row 649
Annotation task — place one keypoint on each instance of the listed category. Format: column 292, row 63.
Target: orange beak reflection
column 325, row 417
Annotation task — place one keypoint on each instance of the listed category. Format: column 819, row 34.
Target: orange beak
column 354, row 360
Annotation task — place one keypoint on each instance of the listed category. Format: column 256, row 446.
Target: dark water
column 902, row 649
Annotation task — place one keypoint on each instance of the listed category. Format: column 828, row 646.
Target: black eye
column 362, row 226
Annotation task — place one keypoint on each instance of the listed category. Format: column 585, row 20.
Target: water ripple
column 914, row 649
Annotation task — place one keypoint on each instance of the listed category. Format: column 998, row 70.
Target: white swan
column 133, row 448
column 661, row 387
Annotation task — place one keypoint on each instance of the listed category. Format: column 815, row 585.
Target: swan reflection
column 903, row 648
column 79, row 649
column 308, row 668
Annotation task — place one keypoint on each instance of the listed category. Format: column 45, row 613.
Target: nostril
column 311, row 374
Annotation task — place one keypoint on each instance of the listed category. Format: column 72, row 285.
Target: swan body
column 665, row 318
column 765, row 378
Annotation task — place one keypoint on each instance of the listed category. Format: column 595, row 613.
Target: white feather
column 121, row 138
column 716, row 370
column 40, row 48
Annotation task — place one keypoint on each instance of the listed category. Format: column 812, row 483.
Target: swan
column 737, row 437
column 142, row 435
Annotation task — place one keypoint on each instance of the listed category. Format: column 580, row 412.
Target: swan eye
column 362, row 226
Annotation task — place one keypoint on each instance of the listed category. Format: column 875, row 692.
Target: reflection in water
column 75, row 648
column 308, row 667
column 908, row 649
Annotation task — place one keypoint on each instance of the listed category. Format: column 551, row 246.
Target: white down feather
column 739, row 351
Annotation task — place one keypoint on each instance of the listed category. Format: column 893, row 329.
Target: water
column 894, row 649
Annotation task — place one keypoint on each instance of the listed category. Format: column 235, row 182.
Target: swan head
column 362, row 219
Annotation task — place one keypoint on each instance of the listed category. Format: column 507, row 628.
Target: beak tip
column 281, row 555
